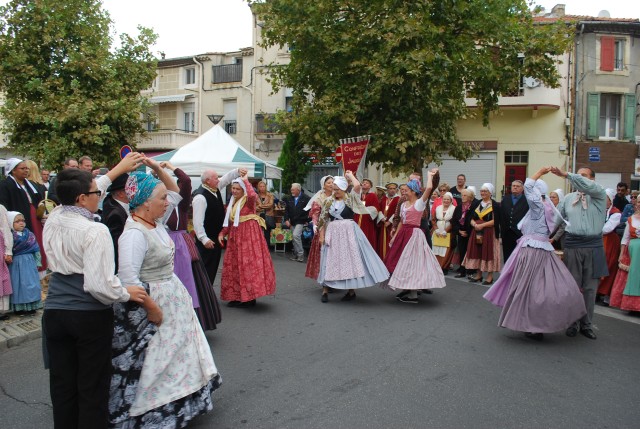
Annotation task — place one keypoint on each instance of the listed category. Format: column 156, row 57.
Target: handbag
column 441, row 241
column 478, row 238
column 45, row 206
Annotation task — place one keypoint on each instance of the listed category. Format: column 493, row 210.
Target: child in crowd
column 6, row 249
column 26, row 298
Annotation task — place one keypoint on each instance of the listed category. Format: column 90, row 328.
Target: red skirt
column 485, row 256
column 612, row 251
column 247, row 272
column 399, row 243
column 313, row 261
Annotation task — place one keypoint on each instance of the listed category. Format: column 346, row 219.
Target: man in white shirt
column 208, row 215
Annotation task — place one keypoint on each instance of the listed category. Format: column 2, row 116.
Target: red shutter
column 607, row 44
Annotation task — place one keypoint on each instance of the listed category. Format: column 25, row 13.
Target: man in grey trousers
column 295, row 217
column 584, row 256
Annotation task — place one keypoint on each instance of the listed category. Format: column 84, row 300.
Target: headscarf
column 488, row 187
column 239, row 205
column 317, row 197
column 341, row 182
column 10, row 164
column 450, row 195
column 11, row 217
column 139, row 188
column 414, row 185
column 560, row 193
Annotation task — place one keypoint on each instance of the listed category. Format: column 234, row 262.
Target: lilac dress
column 536, row 291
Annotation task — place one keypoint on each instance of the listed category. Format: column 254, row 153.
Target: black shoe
column 20, row 312
column 427, row 291
column 325, row 298
column 460, row 275
column 445, row 272
column 4, row 317
column 401, row 294
column 475, row 280
column 233, row 303
column 348, row 297
column 537, row 336
column 30, row 312
column 588, row 333
column 247, row 304
column 571, row 331
column 408, row 300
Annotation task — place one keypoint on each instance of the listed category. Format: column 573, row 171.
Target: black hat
column 119, row 183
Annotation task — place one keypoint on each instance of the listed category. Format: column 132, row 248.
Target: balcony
column 165, row 139
column 227, row 73
column 267, row 128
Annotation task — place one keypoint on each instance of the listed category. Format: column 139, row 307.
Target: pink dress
column 409, row 258
column 247, row 272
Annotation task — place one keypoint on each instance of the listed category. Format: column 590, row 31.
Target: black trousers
column 509, row 243
column 79, row 348
column 210, row 258
column 463, row 243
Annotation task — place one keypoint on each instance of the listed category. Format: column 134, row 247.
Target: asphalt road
column 293, row 362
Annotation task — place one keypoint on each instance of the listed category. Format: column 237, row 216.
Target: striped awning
column 169, row 98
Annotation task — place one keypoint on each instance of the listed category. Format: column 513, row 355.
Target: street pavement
column 294, row 362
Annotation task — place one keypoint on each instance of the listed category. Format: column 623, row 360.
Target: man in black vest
column 115, row 210
column 208, row 216
column 295, row 217
column 512, row 209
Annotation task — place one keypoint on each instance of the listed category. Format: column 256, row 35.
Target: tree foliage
column 292, row 161
column 399, row 70
column 68, row 91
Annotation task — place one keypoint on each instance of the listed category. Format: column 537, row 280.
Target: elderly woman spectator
column 461, row 228
column 264, row 209
column 19, row 194
column 348, row 261
column 483, row 252
column 443, row 188
column 443, row 240
column 163, row 370
column 247, row 273
column 78, row 317
column 556, row 236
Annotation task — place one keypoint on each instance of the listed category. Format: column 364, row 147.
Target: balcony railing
column 166, row 139
column 265, row 124
column 227, row 73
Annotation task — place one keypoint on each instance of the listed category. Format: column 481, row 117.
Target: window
column 612, row 53
column 618, row 55
column 230, row 126
column 190, row 76
column 516, row 157
column 288, row 104
column 189, row 117
column 230, row 109
column 611, row 116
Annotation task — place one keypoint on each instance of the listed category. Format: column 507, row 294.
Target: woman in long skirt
column 247, row 273
column 461, row 228
column 536, row 291
column 164, row 374
column 611, row 241
column 483, row 253
column 410, row 260
column 625, row 293
column 314, row 207
column 348, row 261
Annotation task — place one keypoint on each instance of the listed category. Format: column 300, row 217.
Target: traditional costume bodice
column 339, row 210
column 158, row 260
column 413, row 214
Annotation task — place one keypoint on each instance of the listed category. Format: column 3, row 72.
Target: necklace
column 135, row 217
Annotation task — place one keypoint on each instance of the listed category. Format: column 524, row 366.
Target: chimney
column 558, row 11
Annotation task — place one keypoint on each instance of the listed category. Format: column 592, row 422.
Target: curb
column 18, row 330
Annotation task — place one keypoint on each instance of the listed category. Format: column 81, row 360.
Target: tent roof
column 217, row 150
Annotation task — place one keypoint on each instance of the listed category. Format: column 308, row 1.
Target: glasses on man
column 93, row 192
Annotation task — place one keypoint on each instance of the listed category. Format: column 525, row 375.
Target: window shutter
column 593, row 114
column 629, row 116
column 607, row 47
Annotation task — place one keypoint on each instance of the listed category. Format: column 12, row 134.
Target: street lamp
column 215, row 118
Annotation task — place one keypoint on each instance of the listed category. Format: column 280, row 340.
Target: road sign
column 594, row 154
column 338, row 154
column 124, row 150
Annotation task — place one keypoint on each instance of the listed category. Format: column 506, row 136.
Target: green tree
column 68, row 90
column 292, row 161
column 399, row 70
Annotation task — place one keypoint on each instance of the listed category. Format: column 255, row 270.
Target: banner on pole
column 354, row 150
